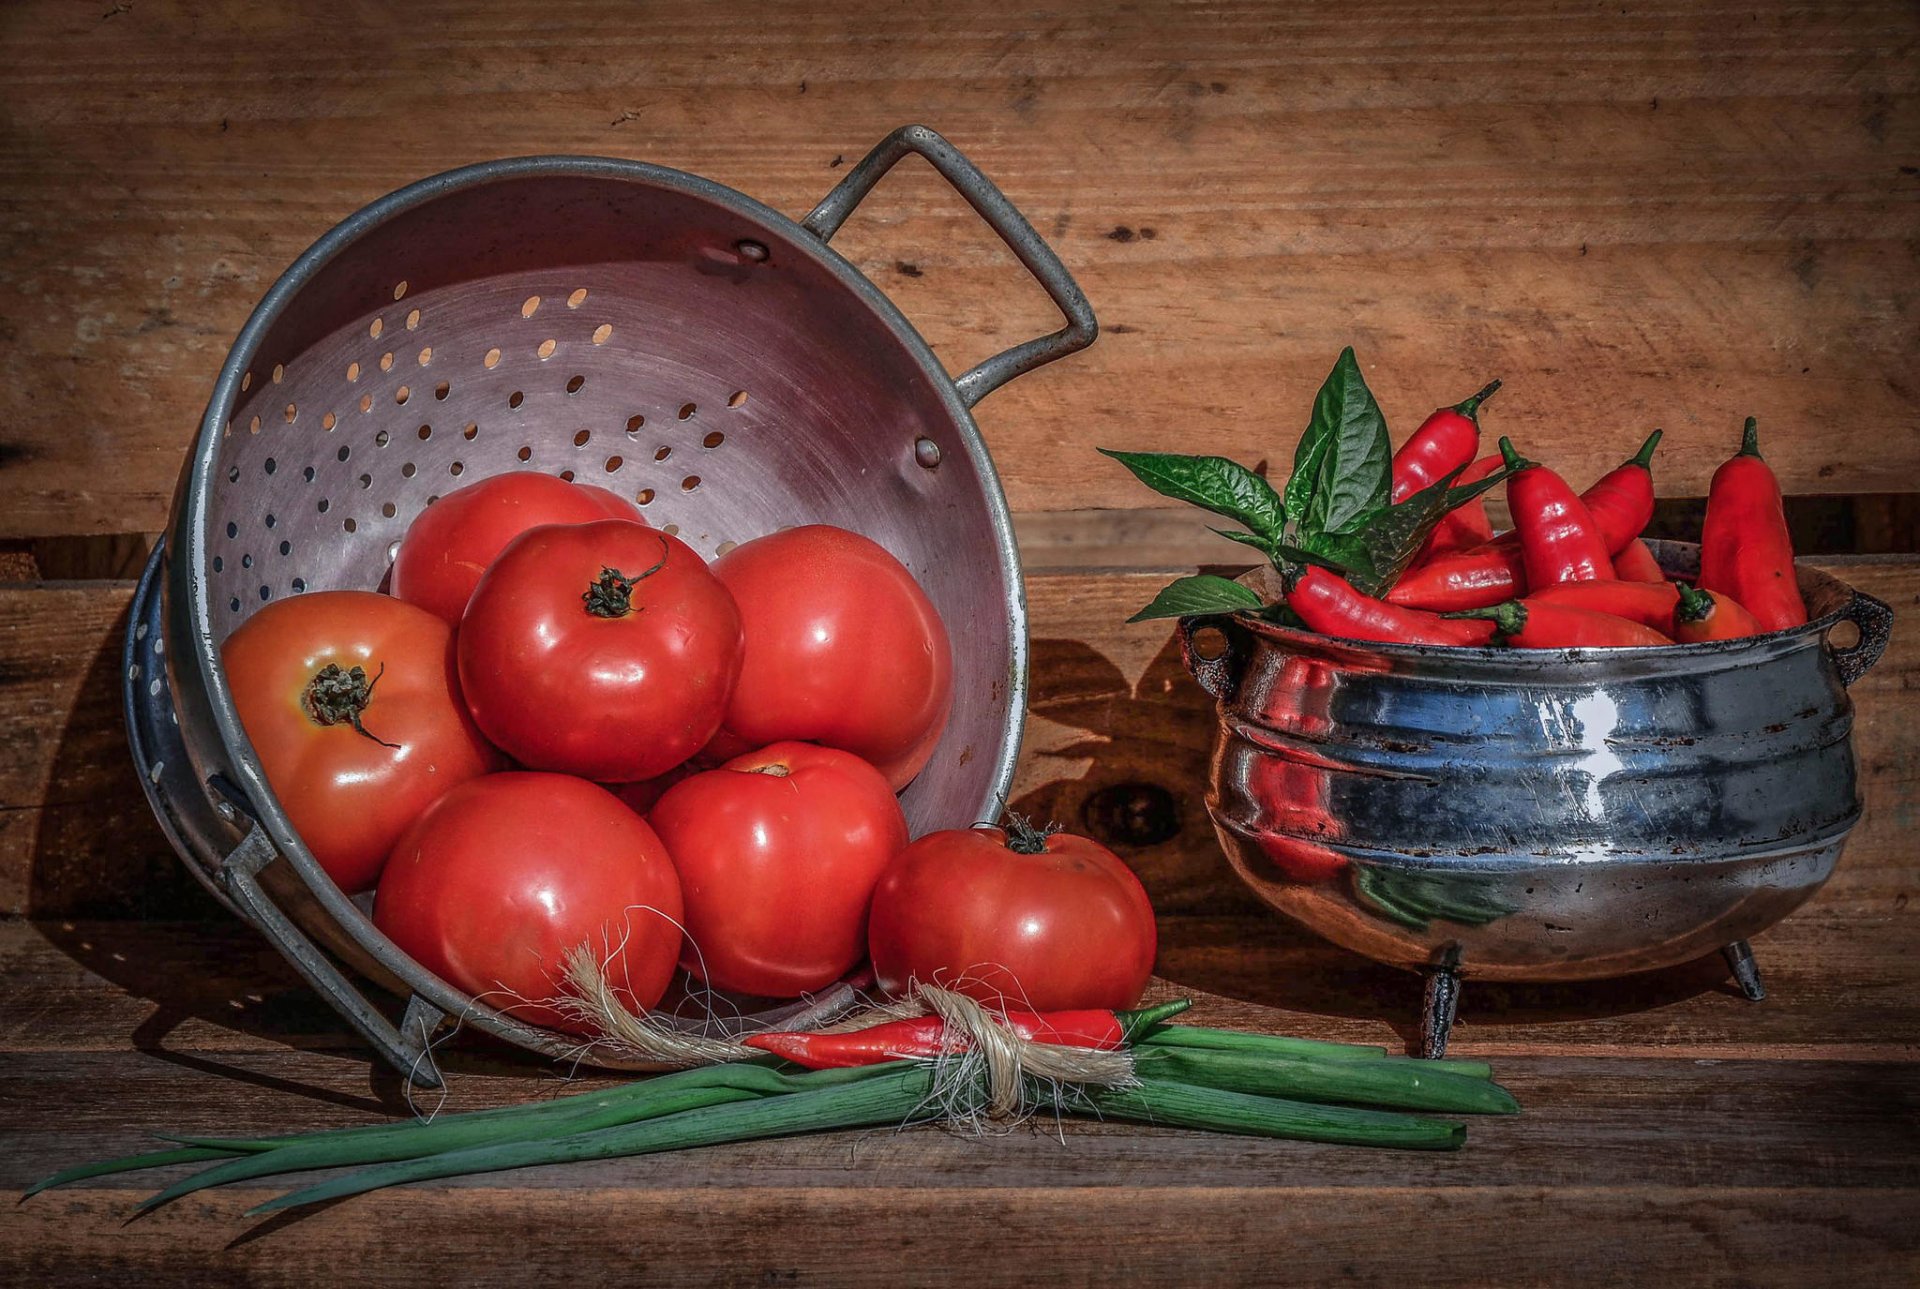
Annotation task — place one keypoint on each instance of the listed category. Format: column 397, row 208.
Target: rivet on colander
column 751, row 250
column 926, row 452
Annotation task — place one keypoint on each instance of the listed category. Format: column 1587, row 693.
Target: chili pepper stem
column 1138, row 1023
column 1514, row 460
column 1644, row 457
column 1470, row 407
column 1510, row 617
column 1750, row 438
column 1695, row 605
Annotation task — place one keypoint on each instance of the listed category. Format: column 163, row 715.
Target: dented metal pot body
column 1537, row 815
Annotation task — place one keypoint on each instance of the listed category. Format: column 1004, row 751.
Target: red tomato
column 451, row 543
column 501, row 877
column 842, row 648
column 605, row 650
column 778, row 852
column 1066, row 927
column 352, row 757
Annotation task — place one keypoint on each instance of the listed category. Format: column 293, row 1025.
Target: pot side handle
column 1219, row 675
column 1874, row 619
column 1002, row 216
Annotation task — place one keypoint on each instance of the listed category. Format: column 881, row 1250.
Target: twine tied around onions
column 985, row 1072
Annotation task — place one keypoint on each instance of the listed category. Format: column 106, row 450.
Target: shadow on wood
column 97, row 851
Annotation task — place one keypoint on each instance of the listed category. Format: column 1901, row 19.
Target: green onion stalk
column 1183, row 1077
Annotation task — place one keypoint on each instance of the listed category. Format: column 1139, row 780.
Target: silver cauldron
column 1537, row 815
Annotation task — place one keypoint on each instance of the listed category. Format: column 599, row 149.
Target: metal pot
column 649, row 330
column 1537, row 815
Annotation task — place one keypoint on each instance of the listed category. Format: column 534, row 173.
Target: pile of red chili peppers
column 1397, row 547
column 1573, row 572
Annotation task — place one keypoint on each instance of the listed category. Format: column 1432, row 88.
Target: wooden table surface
column 1637, row 214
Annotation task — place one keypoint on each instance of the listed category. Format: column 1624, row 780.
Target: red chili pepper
column 1495, row 571
column 1463, row 527
column 1533, row 625
column 1745, row 551
column 1702, row 615
column 1621, row 501
column 1559, row 541
column 926, row 1036
column 1650, row 604
column 1636, row 563
column 1444, row 442
column 1326, row 603
column 1463, row 579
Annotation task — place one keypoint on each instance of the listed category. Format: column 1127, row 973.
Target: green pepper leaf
column 1264, row 545
column 1315, row 442
column 1385, row 542
column 1201, row 594
column 1349, row 452
column 1212, row 483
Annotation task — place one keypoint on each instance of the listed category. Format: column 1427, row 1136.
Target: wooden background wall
column 1637, row 215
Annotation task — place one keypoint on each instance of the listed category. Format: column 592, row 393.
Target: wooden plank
column 1746, row 1171
column 1667, row 217
column 1094, row 1236
column 1832, row 1125
column 76, row 835
column 1117, row 743
column 1843, row 975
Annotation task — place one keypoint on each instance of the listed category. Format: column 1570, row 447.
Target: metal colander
column 618, row 323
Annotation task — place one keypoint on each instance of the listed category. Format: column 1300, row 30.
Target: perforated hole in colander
column 350, row 515
column 609, row 330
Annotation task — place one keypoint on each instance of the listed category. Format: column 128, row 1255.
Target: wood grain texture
column 1843, row 975
column 1728, row 1169
column 1637, row 214
column 1117, row 743
column 1097, row 1235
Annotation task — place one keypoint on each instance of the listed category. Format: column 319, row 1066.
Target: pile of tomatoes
column 563, row 727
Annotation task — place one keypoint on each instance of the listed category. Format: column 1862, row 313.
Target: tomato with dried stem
column 351, row 703
column 606, row 650
column 451, row 544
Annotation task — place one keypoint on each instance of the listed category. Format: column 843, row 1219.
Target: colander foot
column 1746, row 972
column 1437, row 1012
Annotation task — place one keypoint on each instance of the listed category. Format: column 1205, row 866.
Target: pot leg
column 1746, row 972
column 1437, row 1011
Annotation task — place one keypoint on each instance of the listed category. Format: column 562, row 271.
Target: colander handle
column 404, row 1046
column 1001, row 216
column 1874, row 618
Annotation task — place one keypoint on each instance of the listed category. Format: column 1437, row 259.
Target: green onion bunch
column 1185, row 1077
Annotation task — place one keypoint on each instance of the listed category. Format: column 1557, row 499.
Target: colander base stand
column 1746, row 971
